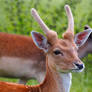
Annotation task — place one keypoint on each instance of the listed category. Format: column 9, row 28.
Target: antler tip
column 32, row 11
column 67, row 7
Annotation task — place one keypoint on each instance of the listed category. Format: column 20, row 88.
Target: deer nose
column 80, row 66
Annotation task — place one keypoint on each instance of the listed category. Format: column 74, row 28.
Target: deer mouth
column 78, row 67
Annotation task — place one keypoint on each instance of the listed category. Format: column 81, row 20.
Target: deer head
column 61, row 53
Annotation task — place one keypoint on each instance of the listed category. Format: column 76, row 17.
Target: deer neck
column 55, row 81
column 66, row 80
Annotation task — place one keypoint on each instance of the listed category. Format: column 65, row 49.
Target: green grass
column 82, row 82
column 30, row 82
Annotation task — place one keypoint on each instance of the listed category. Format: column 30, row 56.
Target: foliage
column 15, row 15
column 82, row 82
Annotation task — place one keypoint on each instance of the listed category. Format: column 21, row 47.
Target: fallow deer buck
column 61, row 59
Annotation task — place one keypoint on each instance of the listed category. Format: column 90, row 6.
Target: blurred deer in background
column 84, row 41
column 20, row 58
column 61, row 59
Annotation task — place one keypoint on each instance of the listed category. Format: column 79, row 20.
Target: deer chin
column 77, row 70
column 63, row 71
column 71, row 70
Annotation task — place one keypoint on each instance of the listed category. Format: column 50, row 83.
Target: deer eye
column 57, row 52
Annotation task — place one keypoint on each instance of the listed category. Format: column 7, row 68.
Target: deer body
column 17, row 57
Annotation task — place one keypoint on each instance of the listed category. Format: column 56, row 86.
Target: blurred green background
column 15, row 18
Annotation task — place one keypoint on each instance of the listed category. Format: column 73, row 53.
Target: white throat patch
column 66, row 78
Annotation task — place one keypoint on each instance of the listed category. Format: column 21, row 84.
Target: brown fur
column 23, row 48
column 19, row 46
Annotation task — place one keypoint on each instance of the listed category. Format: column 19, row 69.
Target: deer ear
column 40, row 41
column 82, row 37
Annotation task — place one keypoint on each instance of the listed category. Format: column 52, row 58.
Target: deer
column 84, row 41
column 61, row 59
